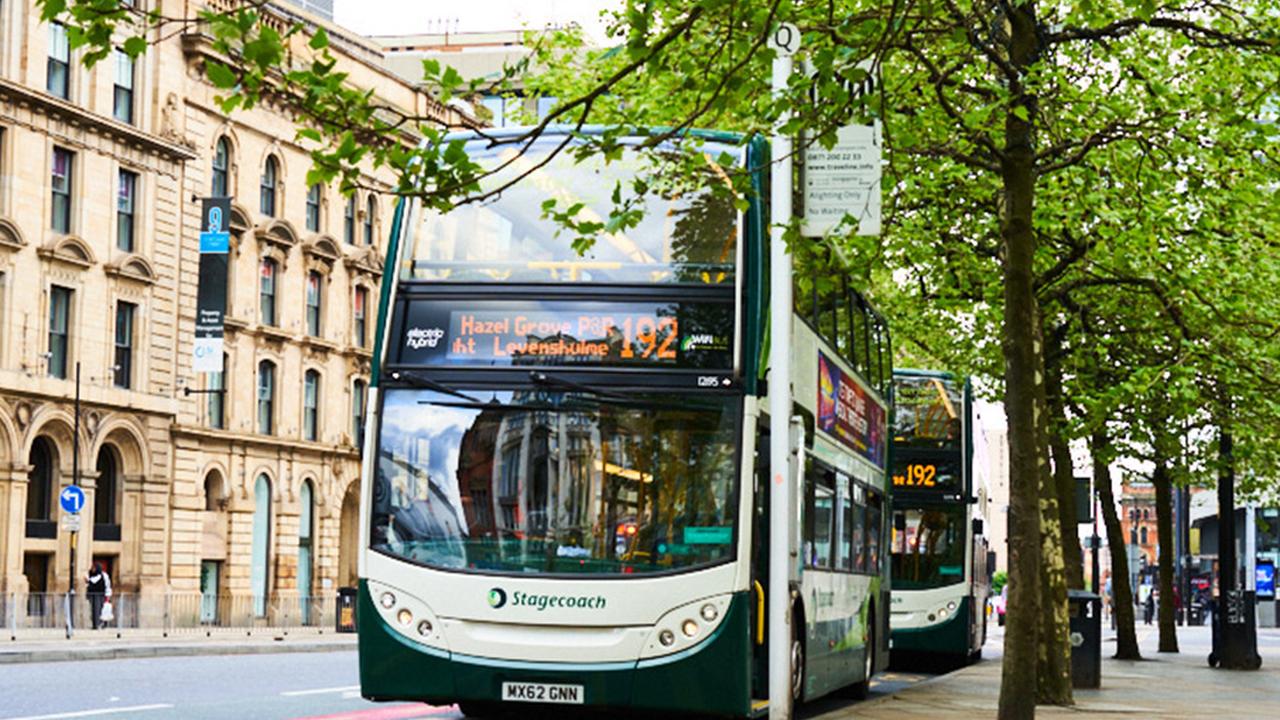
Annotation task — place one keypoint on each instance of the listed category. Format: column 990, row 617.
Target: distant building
column 322, row 8
column 474, row 55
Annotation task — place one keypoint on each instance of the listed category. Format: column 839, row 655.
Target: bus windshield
column 552, row 482
column 928, row 550
column 686, row 234
column 926, row 412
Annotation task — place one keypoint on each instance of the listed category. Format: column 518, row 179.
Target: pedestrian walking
column 1148, row 608
column 99, row 592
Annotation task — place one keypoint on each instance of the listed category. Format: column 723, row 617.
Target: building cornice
column 76, row 115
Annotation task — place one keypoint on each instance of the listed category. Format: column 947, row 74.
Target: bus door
column 760, row 564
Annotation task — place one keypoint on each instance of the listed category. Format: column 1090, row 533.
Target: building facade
column 231, row 485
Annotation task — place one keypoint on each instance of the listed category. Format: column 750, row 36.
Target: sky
column 388, row 17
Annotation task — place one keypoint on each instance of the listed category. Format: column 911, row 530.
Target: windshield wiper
column 420, row 381
column 540, row 378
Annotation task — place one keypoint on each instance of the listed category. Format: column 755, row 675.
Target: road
column 264, row 687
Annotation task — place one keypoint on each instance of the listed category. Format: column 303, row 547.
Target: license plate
column 542, row 693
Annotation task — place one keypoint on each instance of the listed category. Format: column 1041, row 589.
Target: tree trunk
column 1018, row 671
column 1064, row 480
column 1053, row 655
column 1164, row 531
column 1121, row 591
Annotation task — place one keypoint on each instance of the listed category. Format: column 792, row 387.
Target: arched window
column 267, row 292
column 40, row 482
column 105, row 510
column 213, row 500
column 370, row 212
column 266, row 397
column 1142, row 532
column 310, row 405
column 306, row 529
column 258, row 580
column 315, row 286
column 270, row 171
column 221, row 166
column 360, row 317
column 349, row 221
column 357, row 413
column 313, row 208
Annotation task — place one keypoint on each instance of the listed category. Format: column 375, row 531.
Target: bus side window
column 873, row 533
column 860, row 337
column 844, row 524
column 843, row 334
column 873, row 374
column 859, row 531
column 820, row 501
column 825, row 311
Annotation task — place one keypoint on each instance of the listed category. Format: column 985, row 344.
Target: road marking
column 91, row 713
column 321, row 691
column 393, row 712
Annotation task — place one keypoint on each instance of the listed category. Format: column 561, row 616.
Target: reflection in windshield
column 554, row 482
column 926, row 412
column 929, row 551
column 687, row 235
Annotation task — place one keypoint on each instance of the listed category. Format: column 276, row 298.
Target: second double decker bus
column 940, row 576
column 565, row 483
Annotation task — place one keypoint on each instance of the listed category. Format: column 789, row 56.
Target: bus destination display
column 501, row 332
column 926, row 476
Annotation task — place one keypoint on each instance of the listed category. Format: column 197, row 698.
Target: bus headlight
column 424, row 628
column 388, row 600
column 951, row 606
column 404, row 616
column 685, row 626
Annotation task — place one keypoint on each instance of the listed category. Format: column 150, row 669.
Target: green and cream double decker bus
column 564, row 496
column 940, row 576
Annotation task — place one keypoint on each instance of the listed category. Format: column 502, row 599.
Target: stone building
column 238, row 494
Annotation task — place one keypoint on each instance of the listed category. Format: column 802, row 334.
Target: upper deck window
column 687, row 234
column 927, row 412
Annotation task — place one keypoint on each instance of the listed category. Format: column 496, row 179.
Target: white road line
column 320, row 691
column 91, row 713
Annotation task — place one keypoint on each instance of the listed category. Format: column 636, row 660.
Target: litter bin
column 1086, row 639
column 346, row 615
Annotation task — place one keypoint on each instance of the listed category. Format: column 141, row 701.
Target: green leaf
column 319, row 40
column 220, row 75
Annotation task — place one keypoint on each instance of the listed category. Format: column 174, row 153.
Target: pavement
column 105, row 645
column 1163, row 685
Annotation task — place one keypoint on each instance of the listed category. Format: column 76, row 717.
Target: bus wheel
column 797, row 660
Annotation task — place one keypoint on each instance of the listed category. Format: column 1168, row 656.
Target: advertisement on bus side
column 847, row 412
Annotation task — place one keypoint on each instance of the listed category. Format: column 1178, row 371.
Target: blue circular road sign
column 71, row 499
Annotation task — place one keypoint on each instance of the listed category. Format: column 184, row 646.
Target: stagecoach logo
column 498, row 599
column 418, row 338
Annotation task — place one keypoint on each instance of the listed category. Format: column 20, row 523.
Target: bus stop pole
column 785, row 40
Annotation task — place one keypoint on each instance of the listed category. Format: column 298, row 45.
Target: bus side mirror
column 900, row 522
column 977, row 526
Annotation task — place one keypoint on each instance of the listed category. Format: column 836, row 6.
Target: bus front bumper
column 951, row 636
column 712, row 677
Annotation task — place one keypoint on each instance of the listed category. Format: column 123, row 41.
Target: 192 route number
column 542, row 693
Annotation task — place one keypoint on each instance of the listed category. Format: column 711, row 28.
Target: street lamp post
column 75, row 480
